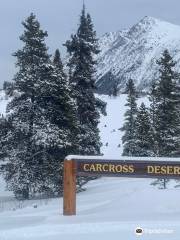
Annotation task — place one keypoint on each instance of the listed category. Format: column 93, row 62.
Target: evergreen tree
column 165, row 115
column 115, row 89
column 41, row 116
column 143, row 134
column 82, row 48
column 58, row 63
column 61, row 111
column 153, row 115
column 23, row 170
column 152, row 99
column 129, row 138
column 167, row 119
column 4, row 126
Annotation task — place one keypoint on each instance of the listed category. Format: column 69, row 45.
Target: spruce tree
column 115, row 89
column 24, row 170
column 143, row 134
column 167, row 119
column 61, row 111
column 58, row 63
column 42, row 118
column 4, row 127
column 129, row 138
column 82, row 48
column 153, row 110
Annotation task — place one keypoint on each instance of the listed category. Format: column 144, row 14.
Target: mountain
column 132, row 53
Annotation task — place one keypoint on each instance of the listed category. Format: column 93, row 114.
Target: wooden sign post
column 69, row 194
column 132, row 167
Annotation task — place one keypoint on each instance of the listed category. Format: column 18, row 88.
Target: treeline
column 154, row 130
column 52, row 113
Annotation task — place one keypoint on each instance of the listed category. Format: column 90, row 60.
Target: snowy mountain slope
column 133, row 53
column 110, row 125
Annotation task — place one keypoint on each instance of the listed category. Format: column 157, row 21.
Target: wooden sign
column 137, row 169
column 124, row 167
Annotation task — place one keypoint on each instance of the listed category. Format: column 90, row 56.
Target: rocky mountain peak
column 132, row 53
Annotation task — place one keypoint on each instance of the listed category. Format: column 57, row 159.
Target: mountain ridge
column 132, row 53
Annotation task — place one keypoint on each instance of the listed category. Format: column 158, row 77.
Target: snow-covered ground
column 110, row 125
column 110, row 208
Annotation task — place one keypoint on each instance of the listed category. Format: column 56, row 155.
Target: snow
column 110, row 208
column 126, row 159
column 132, row 54
column 110, row 125
column 4, row 99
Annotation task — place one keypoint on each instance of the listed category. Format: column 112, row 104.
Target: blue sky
column 60, row 19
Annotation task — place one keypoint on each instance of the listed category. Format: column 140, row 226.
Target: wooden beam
column 69, row 192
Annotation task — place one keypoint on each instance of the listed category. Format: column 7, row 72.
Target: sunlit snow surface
column 110, row 208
